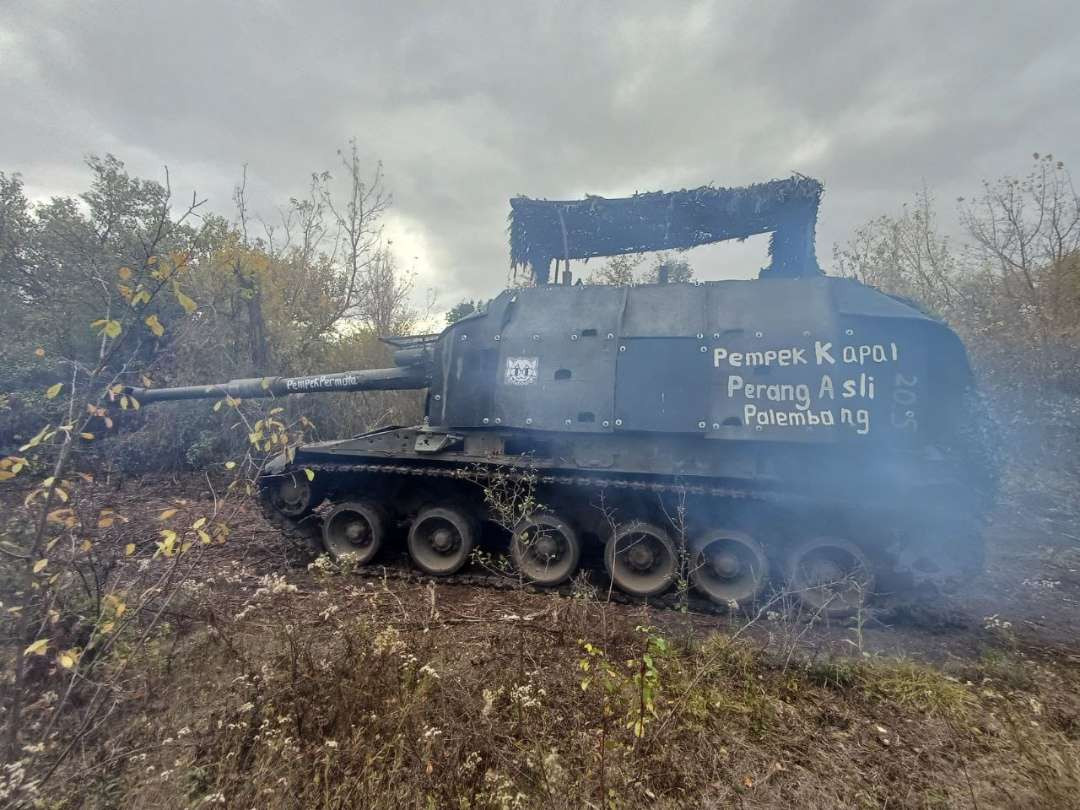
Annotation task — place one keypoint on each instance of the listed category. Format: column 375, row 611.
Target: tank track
column 304, row 535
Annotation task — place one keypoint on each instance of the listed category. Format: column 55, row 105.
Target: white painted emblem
column 522, row 370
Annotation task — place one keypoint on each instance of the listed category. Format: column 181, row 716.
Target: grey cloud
column 469, row 104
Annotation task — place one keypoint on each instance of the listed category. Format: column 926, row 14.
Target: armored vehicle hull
column 810, row 433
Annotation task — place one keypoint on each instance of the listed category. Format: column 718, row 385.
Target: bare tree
column 1026, row 235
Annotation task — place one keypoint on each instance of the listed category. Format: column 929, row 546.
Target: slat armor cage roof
column 546, row 230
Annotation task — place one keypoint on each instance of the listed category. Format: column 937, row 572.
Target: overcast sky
column 468, row 104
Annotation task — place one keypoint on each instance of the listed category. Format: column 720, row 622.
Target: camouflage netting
column 543, row 230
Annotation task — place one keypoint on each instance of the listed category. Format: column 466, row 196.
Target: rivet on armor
column 704, row 349
column 573, row 337
column 485, row 420
column 701, row 425
column 622, row 348
column 759, row 334
column 498, row 337
column 528, row 420
column 498, row 420
column 715, row 425
column 610, row 335
column 849, row 332
column 606, row 423
column 618, row 423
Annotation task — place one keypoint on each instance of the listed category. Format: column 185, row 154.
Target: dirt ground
column 970, row 700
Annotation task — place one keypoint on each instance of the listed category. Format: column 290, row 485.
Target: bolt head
column 574, row 337
column 528, row 420
column 498, row 337
column 567, row 421
column 610, row 335
column 849, row 332
column 622, row 348
column 715, row 425
column 701, row 425
column 485, row 420
column 536, row 337
column 618, row 423
column 606, row 423
column 759, row 334
column 716, row 335
column 704, row 349
column 700, row 336
column 464, row 338
column 498, row 420
column 438, row 397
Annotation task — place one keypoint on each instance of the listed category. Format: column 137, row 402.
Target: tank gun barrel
column 381, row 379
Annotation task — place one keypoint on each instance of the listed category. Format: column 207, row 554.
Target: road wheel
column 355, row 531
column 545, row 549
column 641, row 559
column 728, row 566
column 441, row 539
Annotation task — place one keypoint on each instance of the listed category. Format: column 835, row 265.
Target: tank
column 796, row 431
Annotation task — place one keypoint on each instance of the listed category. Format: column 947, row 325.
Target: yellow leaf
column 88, row 436
column 6, row 476
column 108, row 423
column 186, row 545
column 39, row 566
column 198, row 524
column 134, row 403
column 146, row 381
column 40, row 352
column 66, row 659
column 229, row 464
column 188, row 305
column 86, row 546
column 129, row 549
column 37, row 648
column 123, row 403
column 151, row 260
column 107, row 627
column 310, row 474
column 105, row 522
column 53, row 391
column 124, row 273
column 63, row 496
column 155, row 325
column 168, row 513
column 204, row 536
column 109, row 328
column 38, row 439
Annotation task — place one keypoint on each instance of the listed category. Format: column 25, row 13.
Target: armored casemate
column 794, row 429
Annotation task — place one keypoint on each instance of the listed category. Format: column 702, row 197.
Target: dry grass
column 343, row 695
